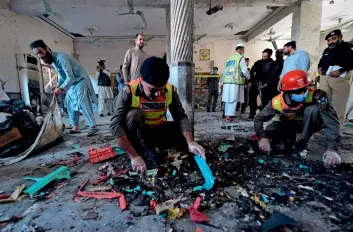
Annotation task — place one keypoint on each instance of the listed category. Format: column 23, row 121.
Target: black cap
column 336, row 32
column 155, row 71
column 37, row 44
column 293, row 44
column 269, row 51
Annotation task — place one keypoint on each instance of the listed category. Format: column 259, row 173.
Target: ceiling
column 329, row 19
column 239, row 15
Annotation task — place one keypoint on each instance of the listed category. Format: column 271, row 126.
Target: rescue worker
column 139, row 119
column 233, row 81
column 301, row 109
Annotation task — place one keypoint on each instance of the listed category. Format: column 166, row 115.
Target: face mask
column 214, row 72
column 299, row 98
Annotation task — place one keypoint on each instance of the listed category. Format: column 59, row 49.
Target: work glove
column 139, row 165
column 264, row 145
column 331, row 158
column 197, row 149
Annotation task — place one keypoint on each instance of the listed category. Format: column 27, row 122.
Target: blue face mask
column 299, row 98
column 214, row 71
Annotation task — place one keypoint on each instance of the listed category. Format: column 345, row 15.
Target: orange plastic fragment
column 122, row 202
column 198, row 229
column 103, row 195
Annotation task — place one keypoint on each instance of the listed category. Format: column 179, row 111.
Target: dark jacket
column 261, row 71
column 104, row 80
column 276, row 71
column 122, row 106
column 341, row 55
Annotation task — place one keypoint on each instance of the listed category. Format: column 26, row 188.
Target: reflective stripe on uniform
column 154, row 111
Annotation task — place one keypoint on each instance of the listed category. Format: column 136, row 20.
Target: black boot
column 208, row 110
column 101, row 115
column 213, row 110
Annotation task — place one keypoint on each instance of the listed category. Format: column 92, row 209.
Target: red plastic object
column 254, row 137
column 66, row 162
column 153, row 204
column 195, row 215
column 103, row 195
column 198, row 229
column 4, row 196
column 98, row 155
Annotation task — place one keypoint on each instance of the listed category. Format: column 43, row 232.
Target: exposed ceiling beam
column 148, row 3
column 270, row 20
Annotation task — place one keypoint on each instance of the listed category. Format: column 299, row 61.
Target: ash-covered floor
column 250, row 187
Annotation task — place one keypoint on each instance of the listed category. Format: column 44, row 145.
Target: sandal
column 92, row 132
column 74, row 132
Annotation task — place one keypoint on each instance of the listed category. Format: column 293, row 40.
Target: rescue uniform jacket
column 123, row 103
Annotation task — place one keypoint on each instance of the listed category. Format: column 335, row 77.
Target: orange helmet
column 295, row 80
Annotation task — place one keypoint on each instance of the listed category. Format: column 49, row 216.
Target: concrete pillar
column 182, row 66
column 306, row 24
column 167, row 42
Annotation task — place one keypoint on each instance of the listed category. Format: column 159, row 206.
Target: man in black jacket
column 334, row 67
column 260, row 73
column 105, row 93
column 269, row 89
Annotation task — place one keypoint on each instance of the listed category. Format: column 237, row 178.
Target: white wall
column 113, row 52
column 220, row 50
column 16, row 33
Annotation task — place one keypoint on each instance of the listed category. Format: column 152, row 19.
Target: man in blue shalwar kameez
column 74, row 80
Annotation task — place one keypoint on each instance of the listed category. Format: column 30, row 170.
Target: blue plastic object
column 206, row 172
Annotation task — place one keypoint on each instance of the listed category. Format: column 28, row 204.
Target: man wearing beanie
column 74, row 80
column 139, row 119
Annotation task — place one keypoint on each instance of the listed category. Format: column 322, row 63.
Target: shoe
column 250, row 118
column 109, row 114
column 213, row 110
column 101, row 115
column 92, row 132
column 208, row 110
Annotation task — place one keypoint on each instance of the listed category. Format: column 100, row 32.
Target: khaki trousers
column 337, row 90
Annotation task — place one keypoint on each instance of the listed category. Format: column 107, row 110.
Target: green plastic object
column 62, row 172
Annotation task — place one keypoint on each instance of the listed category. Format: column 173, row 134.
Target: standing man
column 233, row 80
column 259, row 75
column 243, row 106
column 133, row 59
column 334, row 67
column 296, row 60
column 271, row 88
column 139, row 119
column 74, row 80
column 212, row 91
column 105, row 94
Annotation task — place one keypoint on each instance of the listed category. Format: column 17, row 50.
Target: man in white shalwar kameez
column 232, row 83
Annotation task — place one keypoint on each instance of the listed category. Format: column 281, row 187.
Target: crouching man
column 301, row 109
column 139, row 118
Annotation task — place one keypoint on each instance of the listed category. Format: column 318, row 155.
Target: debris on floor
column 15, row 195
column 261, row 187
column 62, row 172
